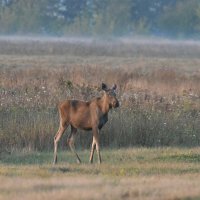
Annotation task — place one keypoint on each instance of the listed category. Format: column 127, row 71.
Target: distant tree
column 70, row 9
column 100, row 17
column 180, row 20
column 145, row 14
column 27, row 17
column 5, row 3
column 197, row 25
column 105, row 17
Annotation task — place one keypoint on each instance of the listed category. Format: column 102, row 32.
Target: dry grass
column 158, row 87
column 146, row 188
column 154, row 76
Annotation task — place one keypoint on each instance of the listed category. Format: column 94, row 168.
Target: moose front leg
column 92, row 150
column 95, row 142
column 57, row 137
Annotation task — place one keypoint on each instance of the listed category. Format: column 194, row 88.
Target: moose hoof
column 78, row 161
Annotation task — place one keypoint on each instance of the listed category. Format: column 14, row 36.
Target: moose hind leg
column 57, row 137
column 71, row 141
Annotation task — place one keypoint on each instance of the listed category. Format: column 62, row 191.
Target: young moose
column 91, row 115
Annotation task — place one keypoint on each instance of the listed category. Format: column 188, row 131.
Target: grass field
column 134, row 173
column 158, row 88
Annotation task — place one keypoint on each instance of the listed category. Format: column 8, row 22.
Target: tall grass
column 159, row 95
column 35, row 128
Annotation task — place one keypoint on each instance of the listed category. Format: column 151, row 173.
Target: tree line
column 171, row 18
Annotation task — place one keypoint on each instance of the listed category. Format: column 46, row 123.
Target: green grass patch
column 188, row 158
column 116, row 163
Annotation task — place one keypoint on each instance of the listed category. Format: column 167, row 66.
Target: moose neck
column 104, row 104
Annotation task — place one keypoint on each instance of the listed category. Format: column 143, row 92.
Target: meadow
column 150, row 144
column 131, row 173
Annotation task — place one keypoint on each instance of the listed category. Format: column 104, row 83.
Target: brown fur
column 91, row 115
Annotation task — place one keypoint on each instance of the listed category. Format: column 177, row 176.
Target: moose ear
column 104, row 86
column 114, row 87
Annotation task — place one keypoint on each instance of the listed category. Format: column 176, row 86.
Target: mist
column 100, row 47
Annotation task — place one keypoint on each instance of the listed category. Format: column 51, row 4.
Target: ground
column 133, row 173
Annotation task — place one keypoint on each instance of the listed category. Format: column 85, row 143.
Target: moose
column 85, row 115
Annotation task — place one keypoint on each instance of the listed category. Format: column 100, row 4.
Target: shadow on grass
column 37, row 158
column 26, row 158
column 59, row 169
